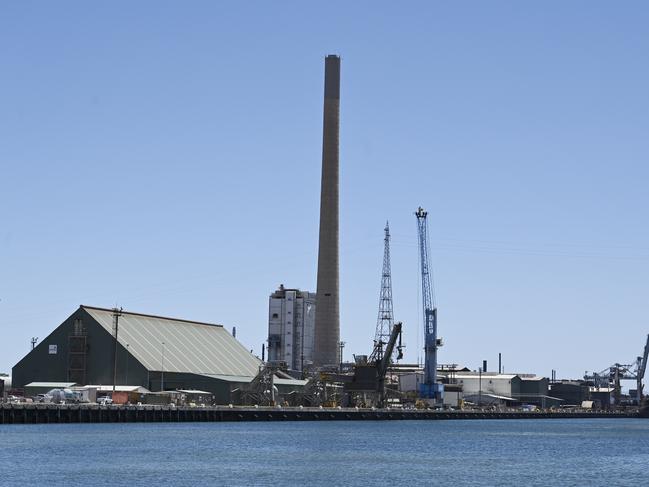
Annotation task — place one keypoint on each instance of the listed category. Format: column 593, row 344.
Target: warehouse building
column 506, row 389
column 153, row 352
column 602, row 397
column 487, row 387
column 573, row 392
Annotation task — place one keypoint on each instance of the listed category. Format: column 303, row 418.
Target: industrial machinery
column 369, row 377
column 640, row 371
column 383, row 364
column 367, row 384
column 613, row 375
column 314, row 393
column 262, row 390
column 429, row 388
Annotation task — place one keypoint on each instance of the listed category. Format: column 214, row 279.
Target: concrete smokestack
column 327, row 312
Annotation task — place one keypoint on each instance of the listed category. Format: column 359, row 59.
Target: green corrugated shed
column 152, row 351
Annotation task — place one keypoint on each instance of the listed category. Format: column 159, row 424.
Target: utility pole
column 128, row 356
column 116, row 314
column 162, row 371
column 34, row 341
column 342, row 347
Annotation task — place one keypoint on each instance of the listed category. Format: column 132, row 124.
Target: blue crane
column 429, row 389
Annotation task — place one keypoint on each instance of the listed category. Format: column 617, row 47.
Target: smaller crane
column 383, row 364
column 369, row 375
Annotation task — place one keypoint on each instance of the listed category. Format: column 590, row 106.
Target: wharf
column 92, row 413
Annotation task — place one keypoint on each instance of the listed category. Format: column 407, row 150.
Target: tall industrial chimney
column 327, row 311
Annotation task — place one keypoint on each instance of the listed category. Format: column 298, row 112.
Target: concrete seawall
column 52, row 413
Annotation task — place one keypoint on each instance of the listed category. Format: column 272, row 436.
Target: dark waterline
column 593, row 452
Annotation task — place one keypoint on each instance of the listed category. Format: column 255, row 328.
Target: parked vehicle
column 104, row 400
column 42, row 398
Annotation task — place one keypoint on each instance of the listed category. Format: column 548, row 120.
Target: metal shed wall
column 50, row 360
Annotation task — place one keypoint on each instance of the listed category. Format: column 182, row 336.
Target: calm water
column 590, row 452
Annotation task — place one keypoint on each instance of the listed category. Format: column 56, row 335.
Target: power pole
column 342, row 347
column 116, row 314
column 128, row 356
column 162, row 369
column 385, row 319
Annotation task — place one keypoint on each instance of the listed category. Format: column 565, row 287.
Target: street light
column 162, row 371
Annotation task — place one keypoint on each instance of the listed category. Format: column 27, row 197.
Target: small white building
column 490, row 387
column 410, row 381
column 472, row 383
column 291, row 325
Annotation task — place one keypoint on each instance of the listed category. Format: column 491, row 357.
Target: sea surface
column 549, row 452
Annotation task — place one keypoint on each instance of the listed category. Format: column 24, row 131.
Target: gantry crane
column 641, row 369
column 613, row 375
column 429, row 389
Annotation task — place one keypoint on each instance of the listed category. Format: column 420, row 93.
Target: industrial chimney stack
column 327, row 313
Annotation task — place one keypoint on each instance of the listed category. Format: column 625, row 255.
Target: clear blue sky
column 165, row 157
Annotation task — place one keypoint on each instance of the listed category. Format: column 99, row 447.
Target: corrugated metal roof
column 492, row 396
column 245, row 380
column 189, row 347
column 106, row 388
column 484, row 376
column 53, row 385
column 289, row 382
column 231, row 378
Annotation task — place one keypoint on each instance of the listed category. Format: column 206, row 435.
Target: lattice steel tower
column 385, row 320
